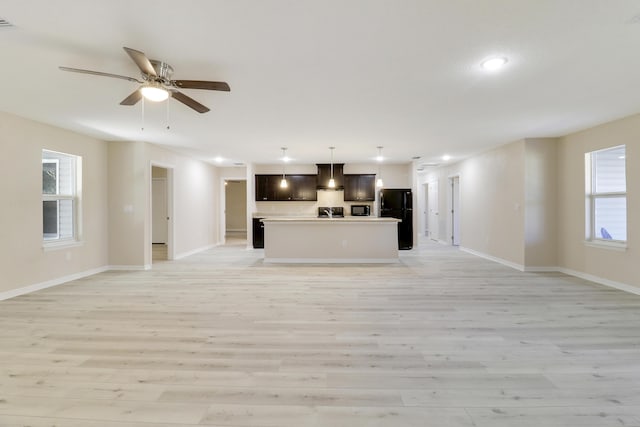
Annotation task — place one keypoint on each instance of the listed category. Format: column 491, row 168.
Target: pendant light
column 283, row 181
column 379, row 183
column 332, row 182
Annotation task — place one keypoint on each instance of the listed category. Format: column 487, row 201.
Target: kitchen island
column 330, row 240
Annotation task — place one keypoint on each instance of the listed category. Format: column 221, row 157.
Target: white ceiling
column 354, row 74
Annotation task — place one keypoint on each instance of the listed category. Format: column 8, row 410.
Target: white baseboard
column 601, row 281
column 50, row 283
column 596, row 279
column 494, row 259
column 129, row 267
column 331, row 260
column 541, row 269
column 195, row 251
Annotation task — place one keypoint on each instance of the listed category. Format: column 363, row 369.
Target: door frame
column 170, row 209
column 454, row 211
column 434, row 217
column 425, row 211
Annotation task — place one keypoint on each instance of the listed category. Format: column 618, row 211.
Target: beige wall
column 540, row 199
column 524, row 204
column 196, row 200
column 195, row 203
column 573, row 253
column 115, row 205
column 491, row 202
column 507, row 202
column 158, row 172
column 236, row 205
column 23, row 262
column 127, row 203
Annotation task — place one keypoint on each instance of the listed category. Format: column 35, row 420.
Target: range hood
column 324, row 175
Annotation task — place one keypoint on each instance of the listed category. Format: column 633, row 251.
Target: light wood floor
column 220, row 339
column 159, row 252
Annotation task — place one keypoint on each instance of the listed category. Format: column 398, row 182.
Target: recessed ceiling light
column 218, row 159
column 494, row 64
column 446, row 157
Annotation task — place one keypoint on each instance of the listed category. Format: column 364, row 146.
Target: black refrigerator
column 398, row 203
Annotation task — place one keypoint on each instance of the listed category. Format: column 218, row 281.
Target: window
column 60, row 173
column 606, row 189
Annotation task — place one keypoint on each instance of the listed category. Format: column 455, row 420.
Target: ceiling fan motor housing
column 163, row 70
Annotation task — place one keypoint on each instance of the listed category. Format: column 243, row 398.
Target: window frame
column 591, row 196
column 73, row 196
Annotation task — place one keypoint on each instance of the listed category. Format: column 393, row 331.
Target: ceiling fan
column 156, row 83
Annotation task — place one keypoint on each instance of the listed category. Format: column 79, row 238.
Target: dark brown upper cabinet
column 300, row 188
column 303, row 187
column 359, row 187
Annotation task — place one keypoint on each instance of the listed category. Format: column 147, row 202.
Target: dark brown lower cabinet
column 258, row 233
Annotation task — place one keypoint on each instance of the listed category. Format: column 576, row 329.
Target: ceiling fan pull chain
column 142, row 118
column 168, row 126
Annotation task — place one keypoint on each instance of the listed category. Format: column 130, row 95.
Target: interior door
column 159, row 221
column 425, row 213
column 432, row 203
column 455, row 211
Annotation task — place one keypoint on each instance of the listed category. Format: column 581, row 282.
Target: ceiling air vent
column 5, row 23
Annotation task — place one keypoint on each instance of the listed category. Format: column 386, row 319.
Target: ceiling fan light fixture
column 154, row 92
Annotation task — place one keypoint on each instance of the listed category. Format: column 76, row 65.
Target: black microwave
column 360, row 210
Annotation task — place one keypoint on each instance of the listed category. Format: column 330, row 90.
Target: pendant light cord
column 284, row 156
column 332, row 148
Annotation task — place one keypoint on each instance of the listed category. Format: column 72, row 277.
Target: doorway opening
column 161, row 217
column 235, row 212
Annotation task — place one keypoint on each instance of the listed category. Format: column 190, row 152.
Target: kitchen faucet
column 329, row 213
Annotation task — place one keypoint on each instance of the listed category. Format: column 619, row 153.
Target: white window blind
column 607, row 194
column 59, row 196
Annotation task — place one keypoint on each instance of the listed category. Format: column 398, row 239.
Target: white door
column 455, row 211
column 425, row 213
column 432, row 213
column 159, row 220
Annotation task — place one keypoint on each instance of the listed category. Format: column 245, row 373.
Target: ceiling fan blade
column 100, row 73
column 133, row 98
column 188, row 101
column 201, row 84
column 141, row 61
